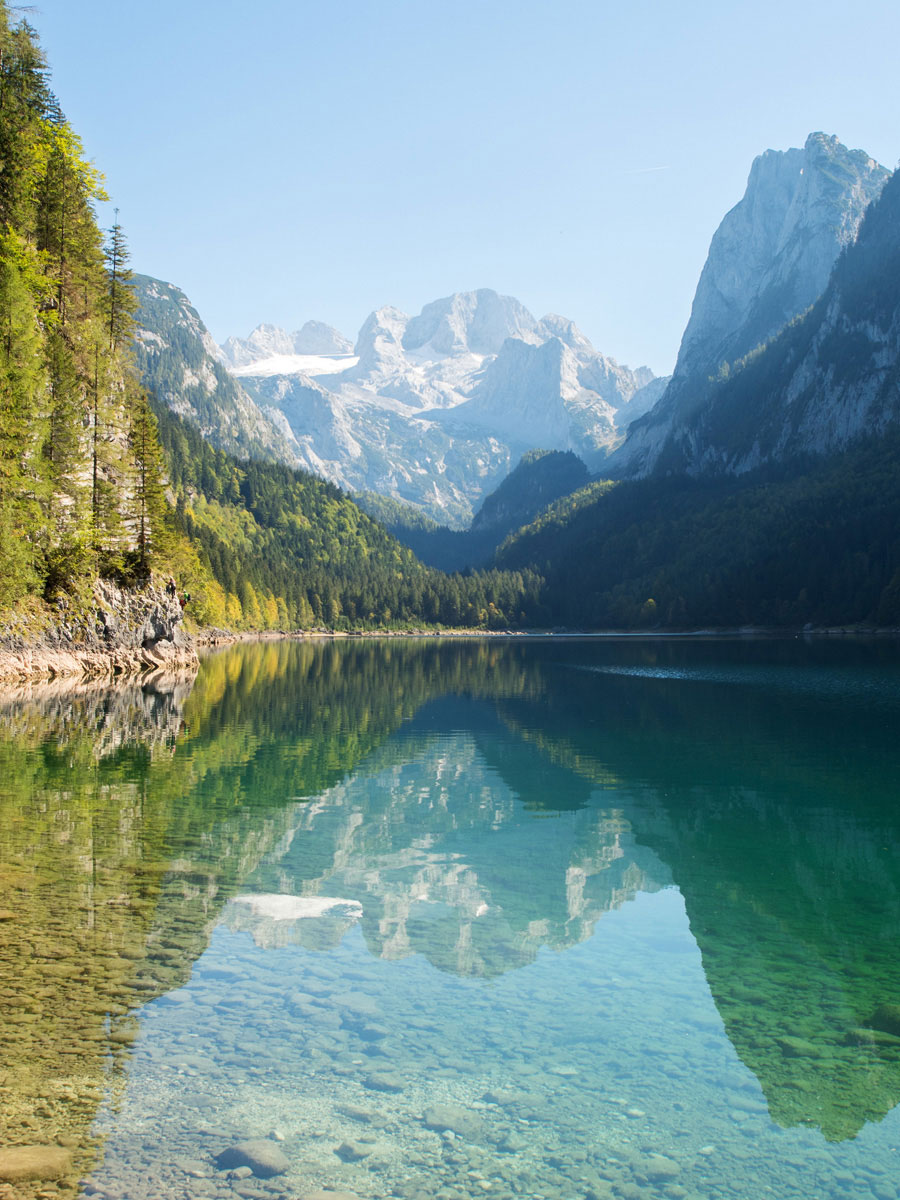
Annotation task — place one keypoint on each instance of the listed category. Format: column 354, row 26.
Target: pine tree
column 149, row 501
column 120, row 300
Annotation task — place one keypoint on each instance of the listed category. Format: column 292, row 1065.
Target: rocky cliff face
column 434, row 410
column 829, row 379
column 179, row 362
column 769, row 260
column 125, row 632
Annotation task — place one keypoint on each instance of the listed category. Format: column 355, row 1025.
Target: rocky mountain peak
column 315, row 337
column 270, row 341
column 567, row 331
column 478, row 322
column 434, row 409
column 380, row 340
column 772, row 254
column 769, row 260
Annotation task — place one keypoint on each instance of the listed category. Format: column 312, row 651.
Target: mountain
column 541, row 477
column 282, row 549
column 178, row 361
column 277, row 546
column 434, row 410
column 769, row 260
column 267, row 341
column 777, row 501
column 829, row 379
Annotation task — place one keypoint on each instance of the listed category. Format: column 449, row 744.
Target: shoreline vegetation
column 139, row 633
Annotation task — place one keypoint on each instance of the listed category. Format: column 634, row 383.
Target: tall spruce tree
column 120, row 298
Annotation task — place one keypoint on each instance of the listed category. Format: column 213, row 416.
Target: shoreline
column 44, row 660
column 205, row 639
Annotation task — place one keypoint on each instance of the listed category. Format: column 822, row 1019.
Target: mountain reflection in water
column 472, row 803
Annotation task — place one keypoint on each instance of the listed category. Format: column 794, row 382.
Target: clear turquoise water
column 550, row 919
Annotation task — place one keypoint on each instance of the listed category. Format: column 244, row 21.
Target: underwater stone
column 365, row 1116
column 19, row 1163
column 512, row 1143
column 353, row 1151
column 323, row 1195
column 262, row 1157
column 795, row 1047
column 886, row 1018
column 871, row 1037
column 443, row 1117
column 659, row 1168
column 385, row 1083
column 356, row 1004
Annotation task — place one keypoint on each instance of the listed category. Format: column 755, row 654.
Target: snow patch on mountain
column 298, row 364
column 269, row 341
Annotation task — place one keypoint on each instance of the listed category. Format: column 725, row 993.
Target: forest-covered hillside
column 817, row 543
column 539, row 478
column 288, row 550
column 778, row 503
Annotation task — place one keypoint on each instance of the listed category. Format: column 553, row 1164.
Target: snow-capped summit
column 477, row 322
column 269, row 341
column 435, row 409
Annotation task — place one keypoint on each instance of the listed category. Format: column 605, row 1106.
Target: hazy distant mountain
column 266, row 341
column 434, row 410
column 769, row 260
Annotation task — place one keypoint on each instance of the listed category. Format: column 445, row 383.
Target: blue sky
column 282, row 160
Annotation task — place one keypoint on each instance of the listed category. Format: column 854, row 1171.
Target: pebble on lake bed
column 353, row 1151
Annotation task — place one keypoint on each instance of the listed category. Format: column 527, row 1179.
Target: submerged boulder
column 19, row 1163
column 259, row 1154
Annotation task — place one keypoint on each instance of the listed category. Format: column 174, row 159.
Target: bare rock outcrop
column 125, row 631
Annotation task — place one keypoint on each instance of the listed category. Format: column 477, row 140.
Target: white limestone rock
column 769, row 260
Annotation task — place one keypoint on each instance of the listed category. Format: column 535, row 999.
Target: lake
column 575, row 919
